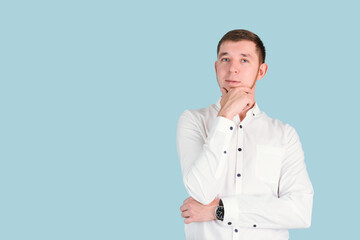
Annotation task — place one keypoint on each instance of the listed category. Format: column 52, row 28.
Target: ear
column 262, row 71
column 216, row 66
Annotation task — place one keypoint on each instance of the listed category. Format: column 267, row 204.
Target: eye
column 244, row 60
column 225, row 59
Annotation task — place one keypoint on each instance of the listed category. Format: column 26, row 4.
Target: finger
column 246, row 90
column 251, row 92
column 249, row 105
column 185, row 214
column 246, row 107
column 183, row 208
column 188, row 220
column 187, row 200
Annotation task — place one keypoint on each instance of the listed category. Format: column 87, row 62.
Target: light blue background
column 90, row 94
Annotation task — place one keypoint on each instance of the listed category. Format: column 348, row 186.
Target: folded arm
column 291, row 208
column 203, row 158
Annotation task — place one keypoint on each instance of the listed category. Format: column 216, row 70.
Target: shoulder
column 199, row 115
column 279, row 128
column 198, row 120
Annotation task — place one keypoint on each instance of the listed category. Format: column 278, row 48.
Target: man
column 244, row 171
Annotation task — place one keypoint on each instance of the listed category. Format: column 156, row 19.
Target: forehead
column 238, row 48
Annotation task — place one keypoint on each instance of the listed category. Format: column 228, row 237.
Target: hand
column 236, row 101
column 193, row 211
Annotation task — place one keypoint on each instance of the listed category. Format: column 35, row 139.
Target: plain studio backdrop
column 91, row 91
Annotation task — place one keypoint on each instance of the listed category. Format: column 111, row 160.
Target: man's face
column 238, row 65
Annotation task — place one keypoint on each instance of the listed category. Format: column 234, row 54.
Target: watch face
column 220, row 213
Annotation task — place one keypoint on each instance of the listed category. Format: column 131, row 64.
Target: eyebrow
column 226, row 53
column 223, row 54
column 246, row 55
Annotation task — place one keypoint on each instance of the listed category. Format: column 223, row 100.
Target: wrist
column 224, row 115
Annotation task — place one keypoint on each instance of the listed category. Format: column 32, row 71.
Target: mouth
column 232, row 83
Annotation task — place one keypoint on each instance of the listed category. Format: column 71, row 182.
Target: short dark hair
column 242, row 34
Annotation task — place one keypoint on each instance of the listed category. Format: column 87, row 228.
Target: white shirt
column 255, row 166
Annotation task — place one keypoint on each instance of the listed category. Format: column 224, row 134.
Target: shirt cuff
column 230, row 211
column 222, row 125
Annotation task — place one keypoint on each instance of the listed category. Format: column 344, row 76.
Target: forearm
column 203, row 161
column 293, row 211
column 290, row 208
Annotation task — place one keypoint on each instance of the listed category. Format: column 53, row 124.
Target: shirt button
column 240, row 126
column 224, row 152
column 239, row 175
column 254, row 225
column 239, row 149
column 229, row 223
column 231, row 128
column 253, row 114
column 236, row 230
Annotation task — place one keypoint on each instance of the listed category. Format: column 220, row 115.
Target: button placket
column 239, row 159
column 236, row 233
column 226, row 148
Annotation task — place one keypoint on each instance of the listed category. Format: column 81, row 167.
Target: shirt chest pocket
column 268, row 163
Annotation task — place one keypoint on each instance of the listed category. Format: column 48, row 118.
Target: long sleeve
column 203, row 158
column 292, row 208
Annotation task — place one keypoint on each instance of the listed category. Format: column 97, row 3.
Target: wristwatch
column 220, row 211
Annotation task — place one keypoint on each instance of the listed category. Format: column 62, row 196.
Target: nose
column 234, row 67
